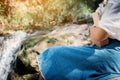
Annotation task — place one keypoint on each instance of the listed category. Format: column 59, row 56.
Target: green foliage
column 48, row 13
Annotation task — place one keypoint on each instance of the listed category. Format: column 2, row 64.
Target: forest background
column 30, row 15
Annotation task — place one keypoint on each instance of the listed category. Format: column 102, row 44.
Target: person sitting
column 98, row 62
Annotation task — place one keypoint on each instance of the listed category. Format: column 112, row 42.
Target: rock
column 1, row 41
column 15, row 76
column 71, row 35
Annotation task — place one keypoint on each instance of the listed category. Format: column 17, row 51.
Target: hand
column 99, row 36
column 102, row 43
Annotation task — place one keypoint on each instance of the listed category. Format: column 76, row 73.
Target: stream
column 8, row 48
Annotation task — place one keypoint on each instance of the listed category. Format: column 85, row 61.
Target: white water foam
column 8, row 53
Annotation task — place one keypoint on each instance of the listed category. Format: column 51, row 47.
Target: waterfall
column 8, row 54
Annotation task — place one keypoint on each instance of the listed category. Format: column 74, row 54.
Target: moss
column 64, row 37
column 31, row 42
column 69, row 42
column 52, row 40
column 24, row 54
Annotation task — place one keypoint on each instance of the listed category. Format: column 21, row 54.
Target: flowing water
column 10, row 47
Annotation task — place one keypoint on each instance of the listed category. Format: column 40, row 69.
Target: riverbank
column 25, row 65
column 69, row 35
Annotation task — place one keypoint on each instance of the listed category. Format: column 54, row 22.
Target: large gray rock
column 69, row 35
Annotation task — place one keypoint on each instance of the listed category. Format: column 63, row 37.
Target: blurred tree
column 93, row 4
column 45, row 13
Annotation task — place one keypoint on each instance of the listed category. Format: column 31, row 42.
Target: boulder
column 69, row 35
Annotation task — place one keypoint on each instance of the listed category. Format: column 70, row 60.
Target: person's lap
column 81, row 63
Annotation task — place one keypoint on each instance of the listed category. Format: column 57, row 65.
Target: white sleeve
column 110, row 21
column 100, row 9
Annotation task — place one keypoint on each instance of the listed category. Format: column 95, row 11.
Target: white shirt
column 110, row 20
column 113, row 1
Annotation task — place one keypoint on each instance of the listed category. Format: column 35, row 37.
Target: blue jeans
column 81, row 63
